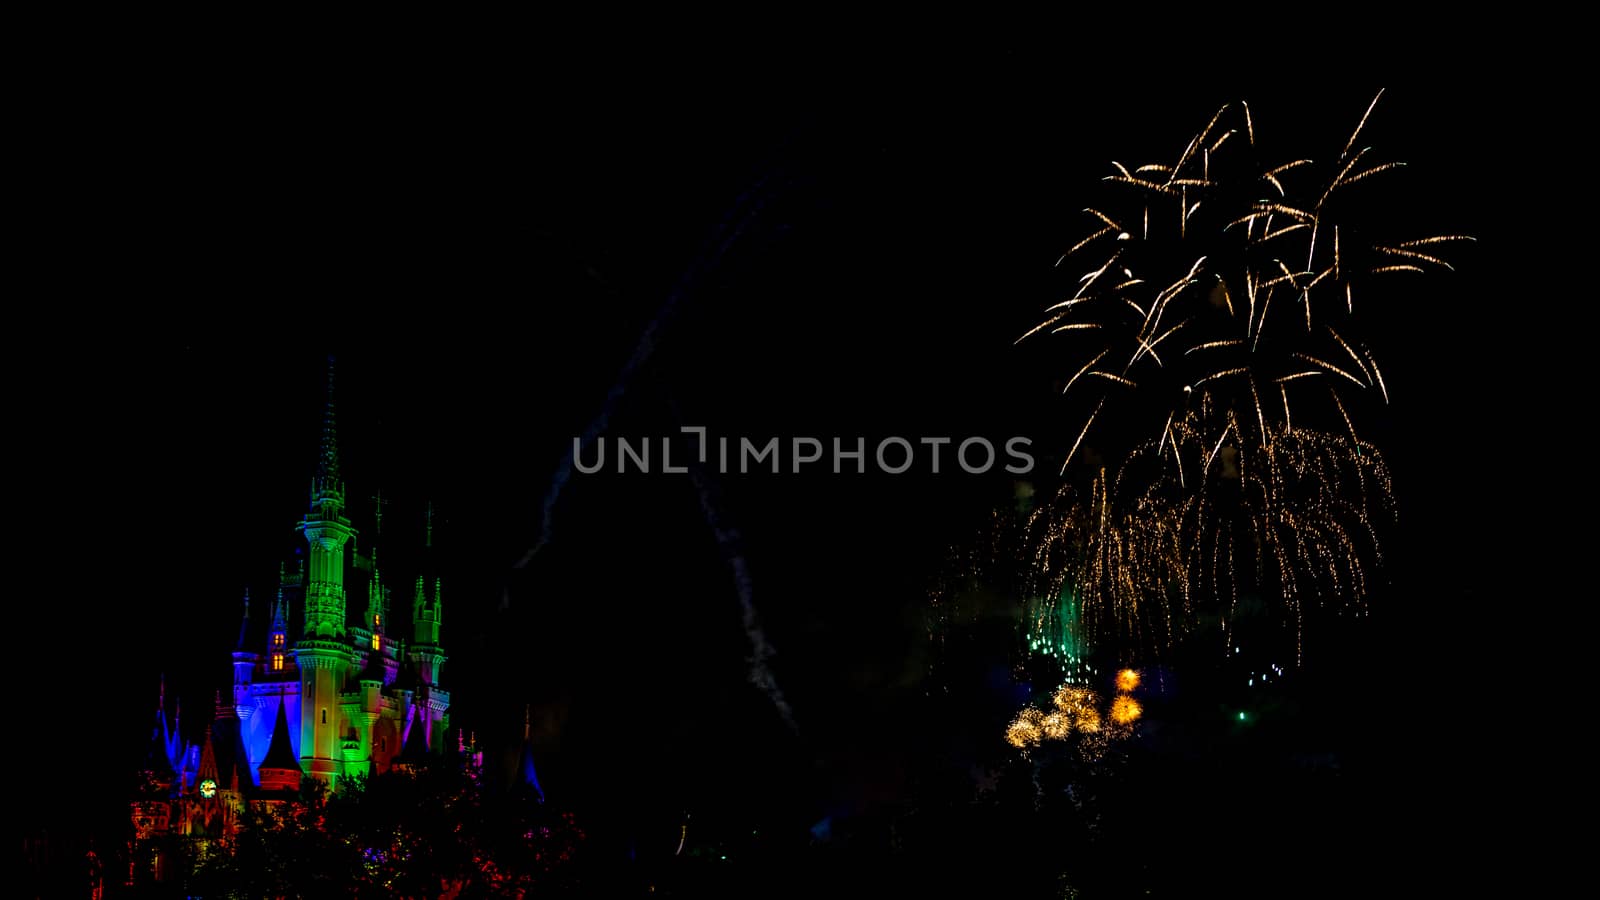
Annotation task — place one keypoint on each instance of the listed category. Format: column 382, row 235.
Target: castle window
column 277, row 662
column 377, row 619
column 324, row 717
column 277, row 640
column 377, row 642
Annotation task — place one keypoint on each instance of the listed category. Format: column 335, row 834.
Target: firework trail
column 731, row 545
column 744, row 212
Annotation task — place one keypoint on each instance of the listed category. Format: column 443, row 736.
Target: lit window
column 277, row 640
column 377, row 619
column 377, row 642
column 277, row 662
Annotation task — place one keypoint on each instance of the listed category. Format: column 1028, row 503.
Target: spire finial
column 427, row 535
column 377, row 514
column 244, row 623
column 328, row 462
column 527, row 721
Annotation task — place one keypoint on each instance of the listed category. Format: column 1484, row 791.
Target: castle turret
column 278, row 659
column 244, row 664
column 326, row 530
column 426, row 655
column 321, row 655
column 377, row 607
column 427, row 609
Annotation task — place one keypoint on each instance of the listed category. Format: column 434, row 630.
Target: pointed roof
column 527, row 777
column 280, row 755
column 208, row 760
column 375, row 593
column 280, row 618
column 158, row 756
column 328, row 460
column 233, row 758
column 416, row 746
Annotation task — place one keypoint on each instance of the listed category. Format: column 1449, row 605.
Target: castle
column 349, row 691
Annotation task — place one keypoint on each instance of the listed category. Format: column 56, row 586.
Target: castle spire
column 319, row 655
column 244, row 623
column 280, row 617
column 159, row 757
column 527, row 782
column 377, row 603
column 328, row 461
column 208, row 766
column 377, row 514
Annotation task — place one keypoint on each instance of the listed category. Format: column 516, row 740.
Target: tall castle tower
column 323, row 652
column 353, row 685
column 347, row 692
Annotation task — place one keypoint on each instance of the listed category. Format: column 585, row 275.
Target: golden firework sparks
column 1125, row 710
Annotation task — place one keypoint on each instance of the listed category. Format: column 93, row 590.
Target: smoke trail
column 746, row 208
column 731, row 545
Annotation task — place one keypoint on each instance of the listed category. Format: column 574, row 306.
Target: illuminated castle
column 348, row 691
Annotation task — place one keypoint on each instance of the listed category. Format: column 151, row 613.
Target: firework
column 1027, row 729
column 1076, row 715
column 1148, row 551
column 1055, row 726
column 1215, row 311
column 1224, row 274
column 1125, row 710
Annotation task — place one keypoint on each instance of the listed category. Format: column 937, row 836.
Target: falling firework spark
column 1136, row 560
column 1222, row 495
column 1224, row 224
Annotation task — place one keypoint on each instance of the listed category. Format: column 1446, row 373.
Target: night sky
column 483, row 268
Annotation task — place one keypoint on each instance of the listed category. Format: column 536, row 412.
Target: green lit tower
column 427, row 657
column 323, row 654
column 358, row 693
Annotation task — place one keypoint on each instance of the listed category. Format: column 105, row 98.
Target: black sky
column 484, row 263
